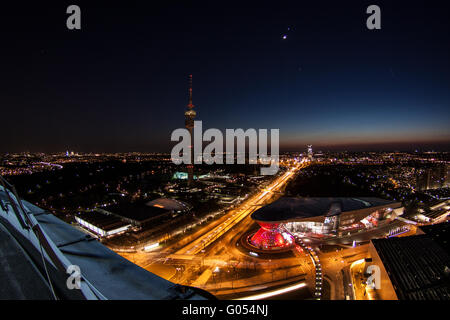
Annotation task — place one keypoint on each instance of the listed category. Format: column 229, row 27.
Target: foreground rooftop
column 417, row 266
column 33, row 240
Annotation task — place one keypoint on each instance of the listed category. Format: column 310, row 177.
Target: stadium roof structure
column 288, row 208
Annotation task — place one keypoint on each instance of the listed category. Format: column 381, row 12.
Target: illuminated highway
column 198, row 251
column 237, row 215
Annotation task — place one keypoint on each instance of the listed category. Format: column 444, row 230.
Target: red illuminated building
column 318, row 218
column 271, row 236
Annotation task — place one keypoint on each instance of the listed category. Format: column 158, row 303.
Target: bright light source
column 152, row 246
column 274, row 293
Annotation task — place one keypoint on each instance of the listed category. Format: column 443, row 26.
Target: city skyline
column 316, row 73
column 230, row 152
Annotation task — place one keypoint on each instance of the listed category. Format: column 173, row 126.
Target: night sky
column 120, row 83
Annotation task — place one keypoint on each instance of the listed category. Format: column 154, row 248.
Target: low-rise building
column 103, row 225
column 412, row 268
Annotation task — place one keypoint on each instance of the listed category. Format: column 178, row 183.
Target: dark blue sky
column 120, row 84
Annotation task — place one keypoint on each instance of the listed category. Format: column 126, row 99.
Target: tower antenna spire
column 190, row 105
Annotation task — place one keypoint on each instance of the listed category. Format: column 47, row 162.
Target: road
column 237, row 215
column 335, row 264
column 210, row 258
column 195, row 249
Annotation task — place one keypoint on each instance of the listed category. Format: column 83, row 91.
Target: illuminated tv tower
column 189, row 122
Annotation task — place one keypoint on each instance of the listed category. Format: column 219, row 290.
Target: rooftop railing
column 54, row 246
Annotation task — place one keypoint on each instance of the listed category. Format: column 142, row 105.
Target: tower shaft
column 189, row 123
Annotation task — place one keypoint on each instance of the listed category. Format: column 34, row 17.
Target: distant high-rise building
column 447, row 176
column 189, row 123
column 310, row 152
column 432, row 178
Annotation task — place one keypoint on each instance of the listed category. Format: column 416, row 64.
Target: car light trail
column 274, row 292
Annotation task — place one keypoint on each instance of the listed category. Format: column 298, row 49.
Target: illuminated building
column 271, row 236
column 432, row 178
column 184, row 175
column 143, row 221
column 310, row 152
column 437, row 211
column 189, row 122
column 319, row 218
column 101, row 224
column 140, row 214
